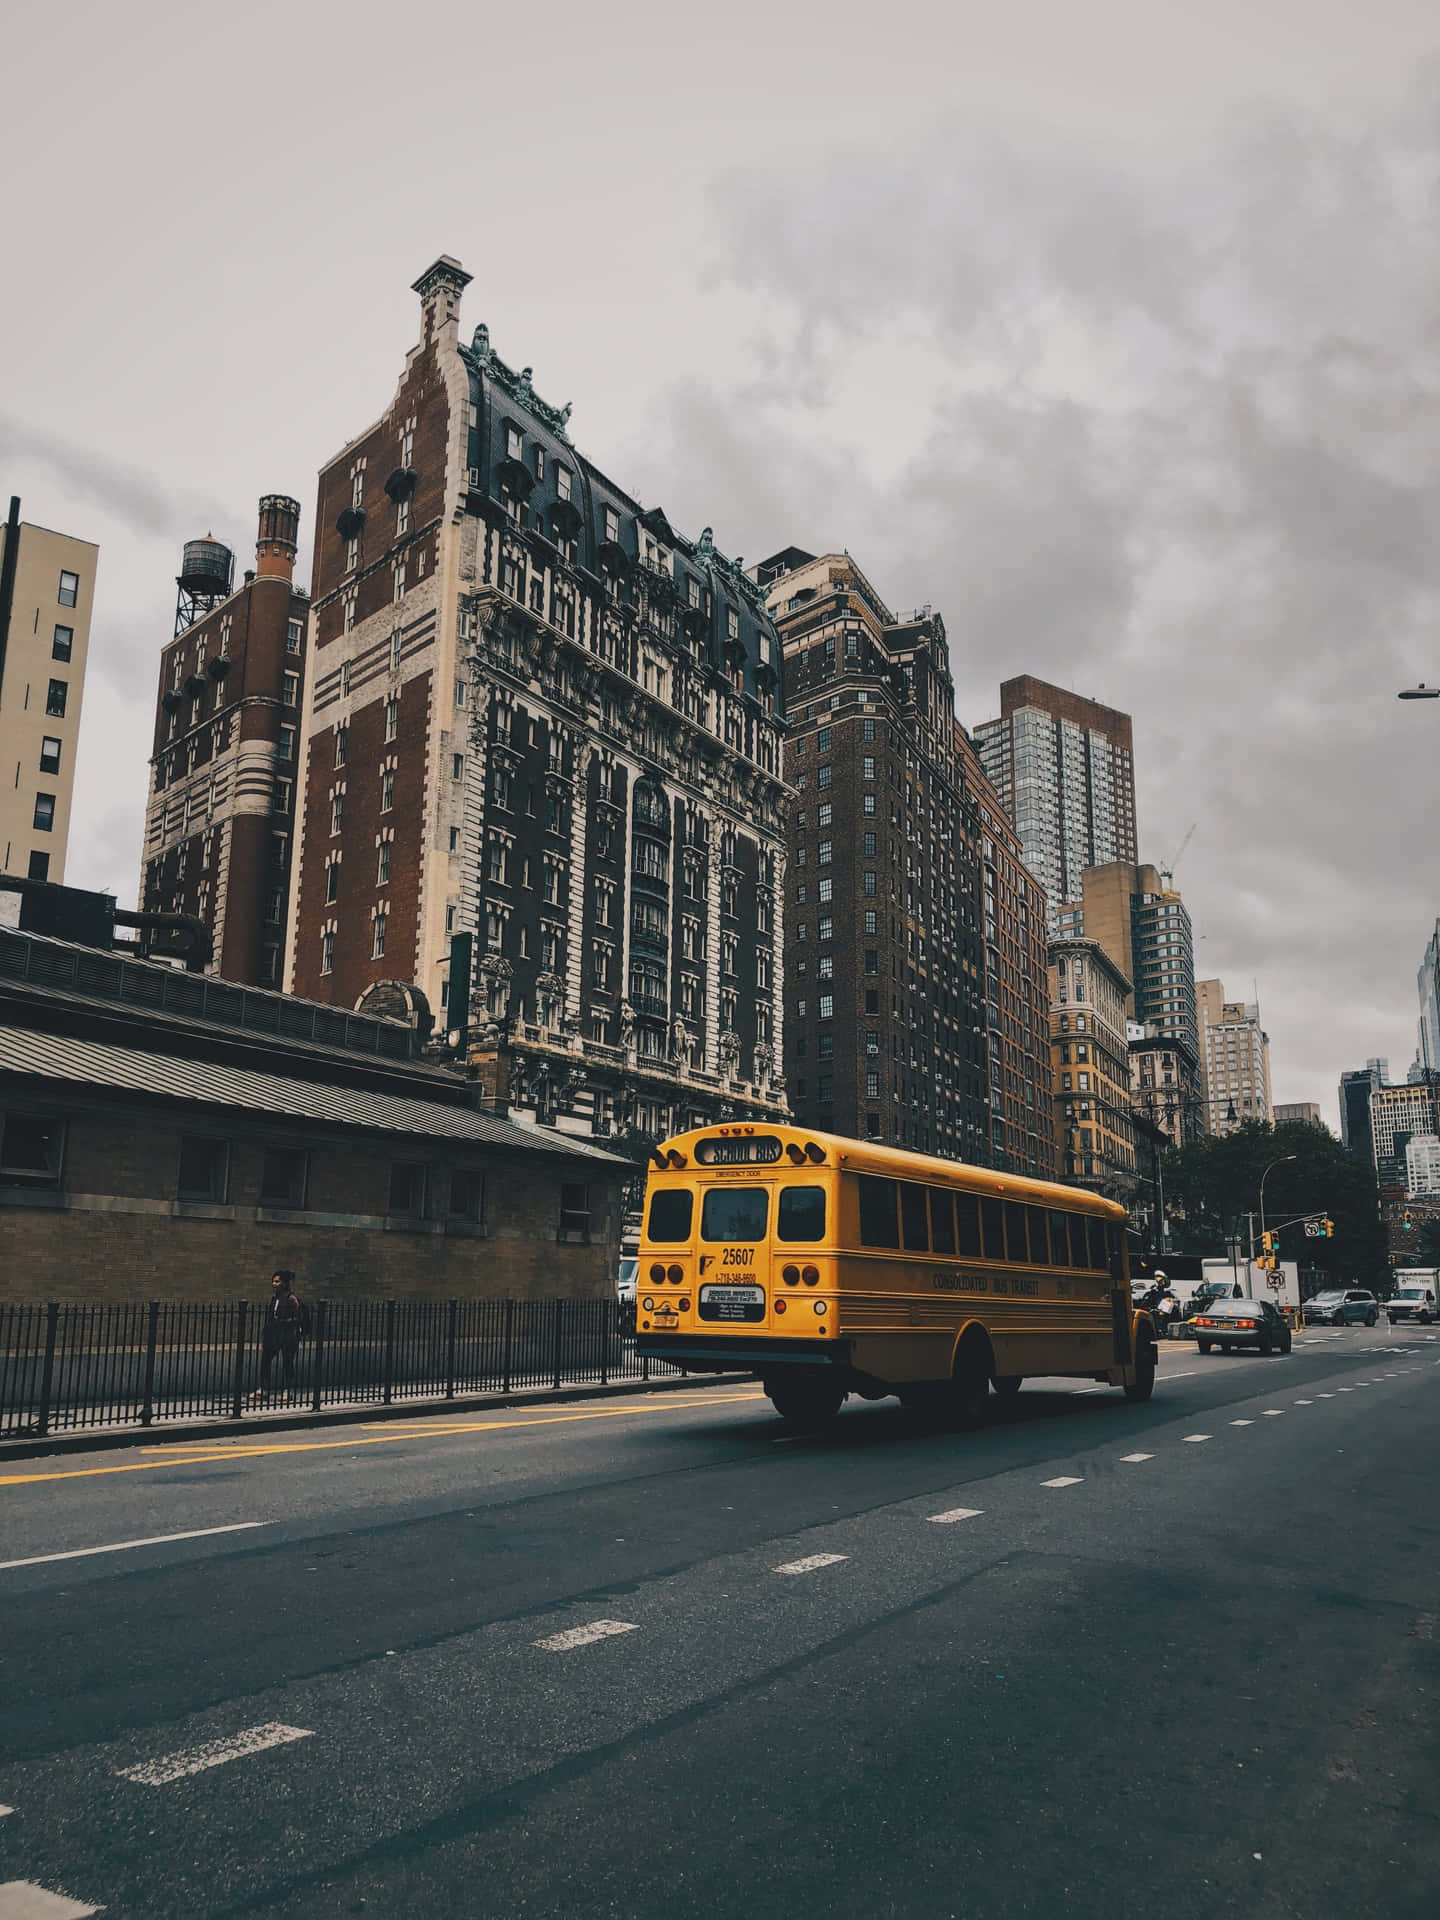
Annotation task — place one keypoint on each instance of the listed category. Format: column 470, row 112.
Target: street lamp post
column 1263, row 1178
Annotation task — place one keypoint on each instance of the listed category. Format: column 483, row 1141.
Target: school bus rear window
column 733, row 1213
column 802, row 1214
column 671, row 1211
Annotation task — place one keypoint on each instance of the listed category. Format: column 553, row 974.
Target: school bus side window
column 994, row 1232
column 733, row 1213
column 671, row 1211
column 942, row 1220
column 1060, row 1240
column 802, row 1214
column 1039, row 1240
column 967, row 1221
column 912, row 1218
column 1015, row 1231
column 878, row 1225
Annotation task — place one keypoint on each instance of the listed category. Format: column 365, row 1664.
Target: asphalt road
column 659, row 1658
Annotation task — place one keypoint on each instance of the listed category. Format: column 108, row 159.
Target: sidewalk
column 97, row 1438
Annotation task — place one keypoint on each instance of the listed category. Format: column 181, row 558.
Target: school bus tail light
column 779, row 1306
column 657, row 1158
column 810, row 1275
column 791, row 1276
column 675, row 1275
column 657, row 1273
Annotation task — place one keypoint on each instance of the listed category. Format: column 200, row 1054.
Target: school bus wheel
column 1007, row 1385
column 1146, row 1360
column 805, row 1400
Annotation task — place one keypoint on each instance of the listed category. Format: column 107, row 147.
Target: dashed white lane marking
column 1304, row 1403
column 1064, row 1480
column 124, row 1546
column 4, row 1811
column 1324, row 1396
column 955, row 1513
column 215, row 1753
column 23, row 1900
column 1133, row 1459
column 811, row 1562
column 1343, row 1390
column 1194, row 1439
column 1242, row 1423
column 1273, row 1413
column 583, row 1636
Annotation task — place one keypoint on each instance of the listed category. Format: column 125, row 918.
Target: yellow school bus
column 832, row 1266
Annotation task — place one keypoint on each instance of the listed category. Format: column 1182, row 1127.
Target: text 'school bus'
column 833, row 1266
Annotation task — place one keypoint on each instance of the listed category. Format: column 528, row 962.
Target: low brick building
column 168, row 1136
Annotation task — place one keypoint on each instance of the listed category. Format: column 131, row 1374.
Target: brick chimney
column 275, row 546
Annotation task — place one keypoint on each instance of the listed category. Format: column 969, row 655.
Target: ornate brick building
column 220, row 819
column 539, row 716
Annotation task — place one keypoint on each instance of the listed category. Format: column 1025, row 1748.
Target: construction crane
column 1167, row 872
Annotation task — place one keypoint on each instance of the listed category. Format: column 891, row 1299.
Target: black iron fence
column 66, row 1366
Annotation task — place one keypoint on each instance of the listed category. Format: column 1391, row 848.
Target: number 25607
column 738, row 1257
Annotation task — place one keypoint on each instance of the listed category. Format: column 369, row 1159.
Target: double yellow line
column 179, row 1455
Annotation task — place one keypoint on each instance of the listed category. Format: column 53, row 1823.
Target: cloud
column 1175, row 424
column 124, row 493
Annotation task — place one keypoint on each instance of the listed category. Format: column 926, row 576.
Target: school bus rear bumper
column 757, row 1353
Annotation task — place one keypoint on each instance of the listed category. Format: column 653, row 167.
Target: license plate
column 732, row 1303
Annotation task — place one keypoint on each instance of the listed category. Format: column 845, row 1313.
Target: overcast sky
column 1109, row 327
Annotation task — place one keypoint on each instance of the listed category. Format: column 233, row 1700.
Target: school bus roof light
column 815, row 1152
column 657, row 1158
column 795, row 1153
column 675, row 1158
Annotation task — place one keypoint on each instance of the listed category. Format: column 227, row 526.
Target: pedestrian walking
column 286, row 1322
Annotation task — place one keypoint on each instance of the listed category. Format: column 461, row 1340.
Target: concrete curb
column 107, row 1439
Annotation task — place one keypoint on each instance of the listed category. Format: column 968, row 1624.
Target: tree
column 1212, row 1184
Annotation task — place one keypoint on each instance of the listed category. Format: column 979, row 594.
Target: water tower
column 207, row 570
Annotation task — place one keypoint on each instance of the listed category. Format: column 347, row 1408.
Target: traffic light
column 1270, row 1251
column 1407, row 1220
column 1327, row 1229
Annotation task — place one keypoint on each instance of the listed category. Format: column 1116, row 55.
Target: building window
column 352, row 554
column 825, row 890
column 44, row 813
column 39, row 868
column 344, row 676
column 387, row 789
column 399, row 595
column 382, row 864
column 349, row 627
column 457, row 766
column 49, row 754
column 342, row 742
column 392, row 718
column 467, row 1196
column 562, row 483
column 204, row 1165
column 327, row 950
column 31, row 1150
column 337, row 811
column 869, row 846
column 827, row 1006
column 402, row 518
column 290, row 690
column 868, row 804
column 867, row 729
column 69, row 589
column 407, row 1187
column 283, row 1177
column 612, row 524
column 377, row 947
column 286, row 749
column 63, row 645
column 55, row 699
column 574, row 1211
column 292, row 637
column 869, row 882
column 823, row 776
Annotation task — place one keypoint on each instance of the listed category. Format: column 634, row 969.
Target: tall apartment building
column 1017, row 991
column 1089, row 1044
column 884, row 961
column 1399, row 1115
column 538, row 715
column 220, row 820
column 1143, row 924
column 1064, row 769
column 1234, row 1057
column 1427, row 983
column 1356, row 1086
column 1422, row 1166
column 47, row 594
